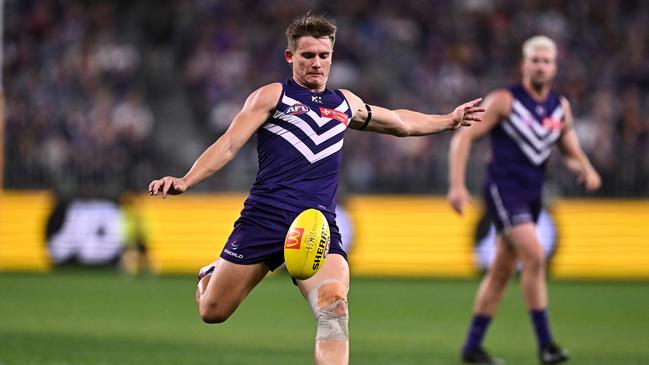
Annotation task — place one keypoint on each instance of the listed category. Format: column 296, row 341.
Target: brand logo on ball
column 327, row 247
column 323, row 248
column 310, row 240
column 294, row 238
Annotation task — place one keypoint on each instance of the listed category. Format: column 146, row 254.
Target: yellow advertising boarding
column 405, row 236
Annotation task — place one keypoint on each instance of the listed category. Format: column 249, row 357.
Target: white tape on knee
column 332, row 320
column 332, row 325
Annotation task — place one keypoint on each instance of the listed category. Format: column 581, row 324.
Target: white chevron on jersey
column 343, row 107
column 306, row 128
column 300, row 146
column 530, row 136
column 526, row 115
column 523, row 128
column 557, row 114
column 537, row 158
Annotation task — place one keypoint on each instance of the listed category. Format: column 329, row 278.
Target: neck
column 310, row 87
column 538, row 92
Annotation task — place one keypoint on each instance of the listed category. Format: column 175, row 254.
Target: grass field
column 101, row 318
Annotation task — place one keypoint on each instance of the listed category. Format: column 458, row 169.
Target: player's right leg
column 488, row 298
column 528, row 247
column 524, row 239
column 223, row 285
column 494, row 284
column 326, row 293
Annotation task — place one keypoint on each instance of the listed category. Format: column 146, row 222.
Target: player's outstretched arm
column 573, row 156
column 405, row 123
column 252, row 116
column 497, row 105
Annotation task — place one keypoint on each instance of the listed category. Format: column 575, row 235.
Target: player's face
column 311, row 61
column 539, row 67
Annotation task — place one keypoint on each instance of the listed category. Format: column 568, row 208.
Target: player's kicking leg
column 533, row 282
column 326, row 293
column 490, row 294
column 223, row 285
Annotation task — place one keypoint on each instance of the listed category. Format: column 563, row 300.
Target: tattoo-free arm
column 497, row 105
column 404, row 123
column 573, row 156
column 252, row 116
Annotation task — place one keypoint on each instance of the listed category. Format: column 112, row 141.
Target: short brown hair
column 310, row 25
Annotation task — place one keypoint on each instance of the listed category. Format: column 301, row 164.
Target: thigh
column 505, row 260
column 523, row 238
column 230, row 283
column 335, row 268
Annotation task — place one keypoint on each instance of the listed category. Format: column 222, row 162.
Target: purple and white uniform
column 299, row 150
column 521, row 145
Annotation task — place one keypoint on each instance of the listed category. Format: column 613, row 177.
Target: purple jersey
column 299, row 149
column 521, row 144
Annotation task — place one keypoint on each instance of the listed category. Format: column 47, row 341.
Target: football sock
column 541, row 326
column 477, row 332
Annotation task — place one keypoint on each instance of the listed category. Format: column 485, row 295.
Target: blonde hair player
column 524, row 122
column 300, row 126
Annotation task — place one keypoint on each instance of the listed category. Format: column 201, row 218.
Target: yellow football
column 306, row 244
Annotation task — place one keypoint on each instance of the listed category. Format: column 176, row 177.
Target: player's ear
column 288, row 55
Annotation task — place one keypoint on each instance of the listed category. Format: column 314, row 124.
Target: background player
column 524, row 122
column 300, row 126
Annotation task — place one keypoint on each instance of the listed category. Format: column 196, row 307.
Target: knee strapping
column 329, row 305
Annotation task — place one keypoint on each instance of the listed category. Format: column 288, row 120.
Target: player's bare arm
column 573, row 156
column 405, row 123
column 254, row 113
column 497, row 105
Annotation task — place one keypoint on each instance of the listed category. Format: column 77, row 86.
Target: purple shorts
column 507, row 209
column 260, row 231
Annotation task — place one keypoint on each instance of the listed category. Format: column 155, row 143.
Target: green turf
column 100, row 318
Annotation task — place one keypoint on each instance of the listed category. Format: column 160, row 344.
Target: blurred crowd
column 79, row 116
column 76, row 117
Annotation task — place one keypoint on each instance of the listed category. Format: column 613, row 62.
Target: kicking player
column 300, row 126
column 523, row 122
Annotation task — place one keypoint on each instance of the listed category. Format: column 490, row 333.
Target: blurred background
column 99, row 97
column 103, row 95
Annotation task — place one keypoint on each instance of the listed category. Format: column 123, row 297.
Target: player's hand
column 168, row 185
column 467, row 113
column 591, row 180
column 458, row 197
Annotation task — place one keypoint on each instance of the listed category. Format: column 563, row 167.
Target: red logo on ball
column 294, row 238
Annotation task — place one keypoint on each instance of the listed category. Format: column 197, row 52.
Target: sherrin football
column 306, row 244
